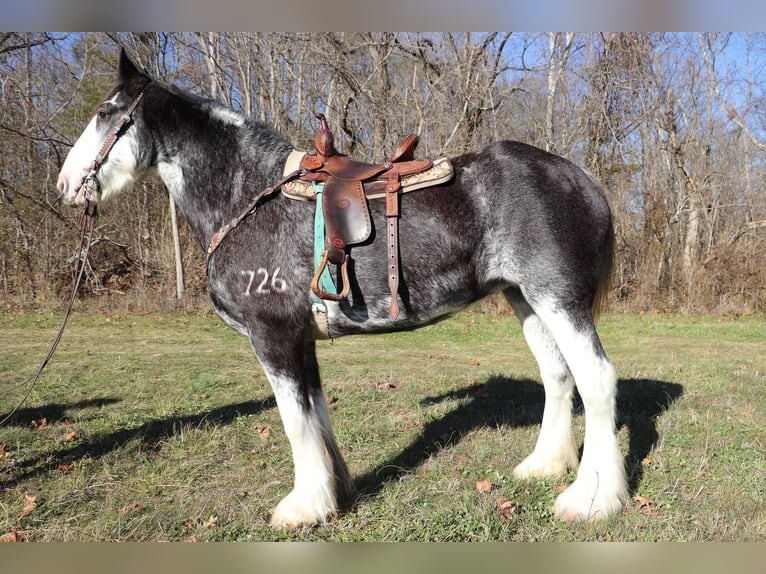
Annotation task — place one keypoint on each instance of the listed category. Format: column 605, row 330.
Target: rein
column 87, row 227
column 221, row 234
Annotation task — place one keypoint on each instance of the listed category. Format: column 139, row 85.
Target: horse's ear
column 130, row 76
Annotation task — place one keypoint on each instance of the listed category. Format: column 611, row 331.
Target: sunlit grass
column 164, row 427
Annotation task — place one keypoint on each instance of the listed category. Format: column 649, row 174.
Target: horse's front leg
column 322, row 480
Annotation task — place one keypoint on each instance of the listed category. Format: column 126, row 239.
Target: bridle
column 88, row 185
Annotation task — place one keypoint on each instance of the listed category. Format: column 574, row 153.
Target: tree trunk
column 180, row 289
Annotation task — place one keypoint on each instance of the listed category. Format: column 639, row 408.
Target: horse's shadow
column 498, row 402
column 519, row 403
column 151, row 434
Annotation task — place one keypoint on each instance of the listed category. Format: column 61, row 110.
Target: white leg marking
column 600, row 488
column 313, row 496
column 555, row 451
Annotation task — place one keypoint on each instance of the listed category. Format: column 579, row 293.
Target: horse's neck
column 211, row 186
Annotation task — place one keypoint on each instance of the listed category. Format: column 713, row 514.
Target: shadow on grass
column 519, row 403
column 150, row 434
column 498, row 402
column 52, row 413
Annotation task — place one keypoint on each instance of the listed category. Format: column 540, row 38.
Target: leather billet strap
column 392, row 216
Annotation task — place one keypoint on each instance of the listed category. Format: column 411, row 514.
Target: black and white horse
column 513, row 219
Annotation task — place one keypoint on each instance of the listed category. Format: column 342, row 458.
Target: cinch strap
column 325, row 280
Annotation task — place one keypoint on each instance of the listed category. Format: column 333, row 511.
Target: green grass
column 163, row 427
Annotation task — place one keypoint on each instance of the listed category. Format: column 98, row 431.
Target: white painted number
column 266, row 284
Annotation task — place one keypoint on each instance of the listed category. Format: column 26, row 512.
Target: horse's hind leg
column 322, row 480
column 555, row 451
column 600, row 487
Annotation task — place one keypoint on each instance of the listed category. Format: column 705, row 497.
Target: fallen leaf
column 474, row 363
column 643, row 502
column 560, row 488
column 264, row 432
column 29, row 505
column 195, row 539
column 70, row 435
column 10, row 537
column 386, row 386
column 506, row 506
column 210, row 522
column 3, row 452
column 135, row 507
column 66, row 467
column 483, row 485
column 39, row 425
column 481, row 392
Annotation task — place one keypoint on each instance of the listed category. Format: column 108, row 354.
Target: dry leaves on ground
column 39, row 424
column 134, row 507
column 643, row 503
column 483, row 485
column 10, row 537
column 29, row 505
column 506, row 507
column 199, row 523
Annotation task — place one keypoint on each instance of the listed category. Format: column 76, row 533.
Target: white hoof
column 299, row 509
column 538, row 466
column 586, row 500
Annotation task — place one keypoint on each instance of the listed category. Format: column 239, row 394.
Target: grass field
column 163, row 427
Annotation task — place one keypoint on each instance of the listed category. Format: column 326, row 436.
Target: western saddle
column 346, row 184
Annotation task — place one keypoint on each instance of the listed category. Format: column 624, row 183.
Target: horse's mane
column 250, row 130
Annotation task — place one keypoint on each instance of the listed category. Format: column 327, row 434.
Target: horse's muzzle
column 88, row 190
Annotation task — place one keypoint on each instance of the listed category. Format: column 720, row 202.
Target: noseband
column 90, row 182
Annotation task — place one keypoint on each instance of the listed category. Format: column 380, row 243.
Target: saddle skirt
column 440, row 172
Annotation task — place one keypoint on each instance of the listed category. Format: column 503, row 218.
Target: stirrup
column 318, row 291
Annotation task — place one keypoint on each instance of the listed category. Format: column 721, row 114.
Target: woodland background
column 673, row 125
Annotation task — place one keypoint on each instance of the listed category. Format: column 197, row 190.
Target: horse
column 513, row 219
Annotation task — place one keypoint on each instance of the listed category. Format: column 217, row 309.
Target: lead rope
column 87, row 227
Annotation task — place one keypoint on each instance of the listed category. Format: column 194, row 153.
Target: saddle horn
column 323, row 140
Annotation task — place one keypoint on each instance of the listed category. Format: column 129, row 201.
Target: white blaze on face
column 117, row 172
column 77, row 163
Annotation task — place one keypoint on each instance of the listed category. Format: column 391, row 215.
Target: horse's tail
column 601, row 298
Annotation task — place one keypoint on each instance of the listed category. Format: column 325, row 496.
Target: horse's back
column 548, row 223
column 513, row 216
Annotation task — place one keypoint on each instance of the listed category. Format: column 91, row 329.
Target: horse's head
column 109, row 156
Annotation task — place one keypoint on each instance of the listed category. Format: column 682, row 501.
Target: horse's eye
column 104, row 111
